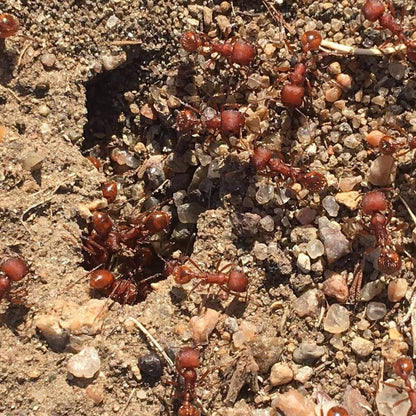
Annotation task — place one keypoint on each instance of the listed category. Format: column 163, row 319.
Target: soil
column 90, row 78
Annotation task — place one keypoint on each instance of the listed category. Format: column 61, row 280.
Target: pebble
column 333, row 93
column 344, row 80
column 304, row 374
column 372, row 289
column 330, row 205
column 391, row 350
column 308, row 304
column 355, row 402
column 397, row 70
column 223, row 23
column 225, row 6
column 348, row 183
column 246, row 224
column 111, row 62
column 336, row 244
column 335, row 68
column 48, row 60
column 260, row 251
column 362, row 347
column 265, row 193
column 397, row 289
column 280, row 374
column 245, row 333
column 337, row 319
column 150, row 365
column 112, row 22
column 85, row 364
column 266, row 351
column 350, row 199
column 306, row 215
column 382, row 171
column 32, row 161
column 376, row 311
column 303, row 234
column 336, row 287
column 188, row 213
column 303, row 262
column 44, row 110
column 146, row 111
column 392, row 402
column 267, row 223
column 315, row 249
column 308, row 352
column 293, row 403
column 94, row 393
column 202, row 326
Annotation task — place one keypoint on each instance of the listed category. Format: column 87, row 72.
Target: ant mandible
column 374, row 10
column 262, row 159
column 373, row 202
column 238, row 52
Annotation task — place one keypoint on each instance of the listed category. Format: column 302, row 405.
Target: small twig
column 153, row 341
column 19, row 61
column 413, row 332
column 352, row 50
column 126, row 42
column 128, row 402
column 411, row 213
column 12, row 93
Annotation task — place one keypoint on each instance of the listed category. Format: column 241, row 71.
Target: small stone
column 225, row 6
column 112, row 22
column 336, row 244
column 148, row 111
column 330, row 205
column 315, row 249
column 397, row 70
column 303, row 262
column 245, row 333
column 94, row 393
column 372, row 289
column 333, row 93
column 111, row 62
column 303, row 234
column 344, row 80
column 280, row 374
column 304, row 374
column 376, row 311
column 31, row 161
column 188, row 213
column 223, row 23
column 306, row 215
column 308, row 353
column 44, row 110
column 382, row 171
column 355, row 402
column 337, row 319
column 267, row 223
column 336, row 287
column 397, row 289
column 350, row 199
column 362, row 347
column 207, row 13
column 265, row 193
column 260, row 251
column 85, row 364
column 391, row 350
column 266, row 351
column 48, row 60
column 202, row 326
column 246, row 224
column 335, row 68
column 308, row 304
column 391, row 401
column 150, row 365
column 347, row 184
column 269, row 50
column 293, row 403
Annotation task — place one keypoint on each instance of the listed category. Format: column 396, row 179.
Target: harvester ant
column 9, row 25
column 293, row 92
column 12, row 270
column 236, row 51
column 373, row 202
column 403, row 367
column 262, row 159
column 234, row 282
column 374, row 10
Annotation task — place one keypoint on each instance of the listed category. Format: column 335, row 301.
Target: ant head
column 243, row 53
column 389, row 262
column 183, row 274
column 190, row 41
column 157, row 221
column 9, row 25
column 101, row 222
column 403, row 367
column 188, row 410
column 231, row 121
column 185, row 120
column 337, row 411
column 187, row 357
column 373, row 201
column 15, row 269
column 261, row 157
column 373, row 9
column 237, row 281
column 311, row 40
column 314, row 181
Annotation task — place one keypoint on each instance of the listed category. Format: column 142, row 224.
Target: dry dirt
column 69, row 90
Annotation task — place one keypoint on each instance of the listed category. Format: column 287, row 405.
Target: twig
column 126, row 42
column 12, row 93
column 413, row 331
column 154, row 342
column 411, row 213
column 352, row 50
column 19, row 61
column 128, row 401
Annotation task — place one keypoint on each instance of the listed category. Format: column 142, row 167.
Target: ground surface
column 80, row 79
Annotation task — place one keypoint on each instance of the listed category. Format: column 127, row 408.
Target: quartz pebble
column 355, row 402
column 304, row 374
column 94, row 393
column 308, row 304
column 376, row 311
column 336, row 244
column 265, row 193
column 201, row 326
column 397, row 289
column 330, row 205
column 336, row 287
column 260, row 251
column 308, row 352
column 267, row 223
column 280, row 374
column 188, row 213
column 303, row 262
column 382, row 171
column 337, row 319
column 315, row 249
column 48, row 60
column 371, row 289
column 85, row 364
column 246, row 333
column 347, row 184
column 293, row 403
column 362, row 347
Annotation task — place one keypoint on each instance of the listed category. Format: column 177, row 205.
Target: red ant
column 293, row 92
column 13, row 270
column 234, row 282
column 9, row 25
column 387, row 145
column 374, row 10
column 237, row 51
column 262, row 159
column 373, row 202
column 337, row 411
column 403, row 367
column 186, row 362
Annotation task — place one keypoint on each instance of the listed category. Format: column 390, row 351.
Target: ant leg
column 194, row 264
column 227, row 266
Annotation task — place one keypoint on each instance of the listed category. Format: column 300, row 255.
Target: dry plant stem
column 128, row 401
column 411, row 213
column 154, row 342
column 351, row 50
column 413, row 331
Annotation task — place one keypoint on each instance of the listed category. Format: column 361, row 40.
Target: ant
column 234, row 282
column 9, row 25
column 337, row 411
column 186, row 361
column 403, row 367
column 387, row 145
column 293, row 92
column 262, row 159
column 238, row 52
column 12, row 270
column 373, row 202
column 374, row 10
